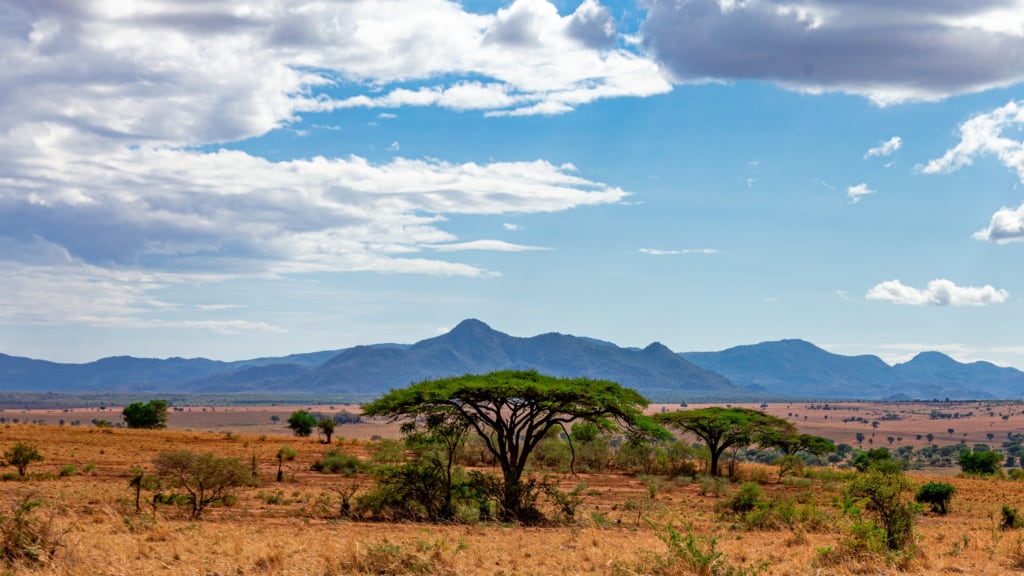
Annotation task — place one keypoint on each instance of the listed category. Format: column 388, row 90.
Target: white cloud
column 394, row 146
column 491, row 245
column 855, row 193
column 939, row 292
column 988, row 133
column 1007, row 225
column 230, row 208
column 218, row 307
column 659, row 252
column 890, row 52
column 387, row 116
column 887, row 148
column 512, row 227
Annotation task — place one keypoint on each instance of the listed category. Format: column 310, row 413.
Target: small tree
column 151, row 415
column 326, row 427
column 286, row 453
column 207, row 479
column 882, row 488
column 983, row 463
column 791, row 445
column 20, row 455
column 936, row 495
column 301, row 423
column 723, row 428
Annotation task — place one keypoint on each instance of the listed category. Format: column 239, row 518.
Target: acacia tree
column 511, row 411
column 206, row 478
column 722, row 428
column 791, row 445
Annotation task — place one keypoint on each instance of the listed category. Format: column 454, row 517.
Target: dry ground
column 300, row 532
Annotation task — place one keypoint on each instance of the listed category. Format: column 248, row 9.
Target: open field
column 294, row 527
column 902, row 421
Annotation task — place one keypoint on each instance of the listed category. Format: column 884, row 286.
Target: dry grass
column 292, row 528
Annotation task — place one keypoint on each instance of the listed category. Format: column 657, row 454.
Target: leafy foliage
column 151, row 415
column 326, row 427
column 20, row 455
column 982, row 463
column 301, row 423
column 937, row 495
column 722, row 428
column 881, row 490
column 512, row 411
column 206, row 479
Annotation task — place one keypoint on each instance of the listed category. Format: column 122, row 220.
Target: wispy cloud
column 660, row 252
column 491, row 245
column 855, row 193
column 939, row 292
column 512, row 227
column 887, row 148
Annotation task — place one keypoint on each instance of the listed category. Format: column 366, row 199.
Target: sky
column 232, row 180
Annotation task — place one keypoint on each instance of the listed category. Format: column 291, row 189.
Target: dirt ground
column 294, row 528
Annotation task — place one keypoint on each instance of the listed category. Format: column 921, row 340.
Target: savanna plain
column 80, row 503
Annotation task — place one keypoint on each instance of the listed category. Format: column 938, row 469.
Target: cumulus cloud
column 990, row 133
column 512, row 227
column 890, row 52
column 660, row 252
column 1007, row 225
column 855, row 193
column 238, row 71
column 939, row 292
column 887, row 148
column 114, row 182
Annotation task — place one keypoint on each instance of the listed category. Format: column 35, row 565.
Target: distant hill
column 785, row 368
column 801, row 369
column 474, row 347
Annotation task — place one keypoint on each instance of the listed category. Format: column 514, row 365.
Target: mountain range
column 780, row 369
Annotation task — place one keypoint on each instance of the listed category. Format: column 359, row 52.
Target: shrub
column 866, row 460
column 936, row 495
column 983, row 463
column 691, row 554
column 301, row 423
column 337, row 462
column 68, row 470
column 881, row 489
column 24, row 538
column 1010, row 518
column 745, row 499
column 20, row 455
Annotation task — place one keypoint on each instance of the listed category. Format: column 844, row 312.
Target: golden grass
column 292, row 528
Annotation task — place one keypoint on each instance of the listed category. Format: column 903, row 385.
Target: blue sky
column 232, row 181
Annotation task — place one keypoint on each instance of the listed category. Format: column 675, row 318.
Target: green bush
column 745, row 499
column 936, row 495
column 337, row 462
column 982, row 463
column 881, row 490
column 20, row 455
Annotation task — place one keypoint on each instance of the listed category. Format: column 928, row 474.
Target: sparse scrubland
column 627, row 509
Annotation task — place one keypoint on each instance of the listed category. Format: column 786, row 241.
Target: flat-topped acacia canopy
column 512, row 410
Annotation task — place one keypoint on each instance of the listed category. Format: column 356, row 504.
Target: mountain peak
column 470, row 326
column 932, row 358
